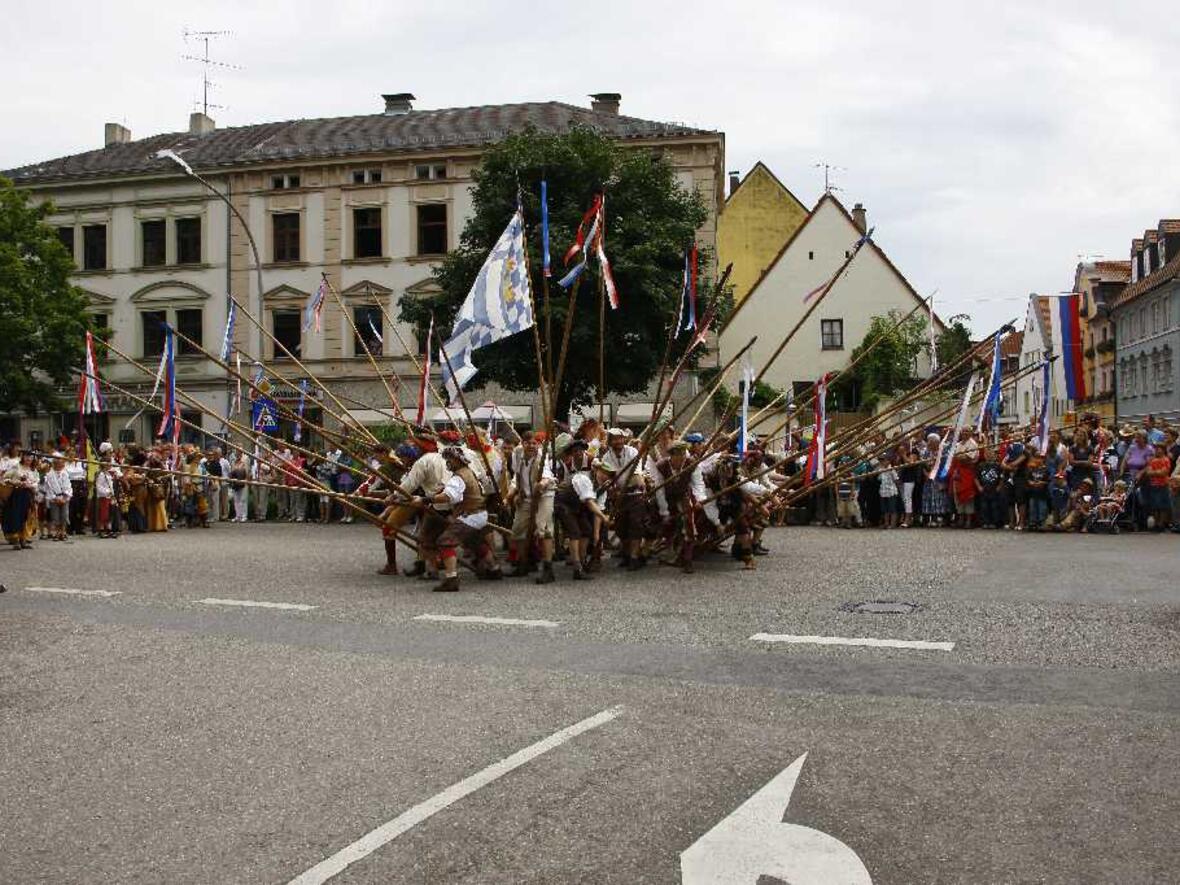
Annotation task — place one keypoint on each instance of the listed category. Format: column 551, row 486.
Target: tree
column 887, row 369
column 43, row 318
column 955, row 341
column 649, row 222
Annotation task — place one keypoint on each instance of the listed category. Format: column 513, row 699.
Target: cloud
column 992, row 143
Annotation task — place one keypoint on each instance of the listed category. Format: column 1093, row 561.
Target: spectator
column 239, row 491
column 1157, row 498
column 1016, row 471
column 991, row 494
column 1038, row 491
column 58, row 491
column 890, row 497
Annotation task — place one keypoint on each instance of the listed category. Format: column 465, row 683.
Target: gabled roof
column 1011, row 344
column 1112, row 271
column 1165, row 274
column 1040, row 308
column 760, row 165
column 827, row 197
column 293, row 140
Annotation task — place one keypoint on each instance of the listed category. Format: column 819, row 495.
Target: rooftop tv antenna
column 207, row 62
column 829, row 168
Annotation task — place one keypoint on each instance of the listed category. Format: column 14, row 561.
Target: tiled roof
column 422, row 130
column 1150, row 236
column 1011, row 344
column 1167, row 273
column 1170, row 225
column 1045, row 312
column 1113, row 271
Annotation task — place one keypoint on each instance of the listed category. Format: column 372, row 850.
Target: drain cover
column 880, row 607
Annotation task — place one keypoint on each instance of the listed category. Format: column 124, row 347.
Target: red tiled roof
column 1113, row 271
column 1167, row 273
column 1170, row 225
column 1011, row 344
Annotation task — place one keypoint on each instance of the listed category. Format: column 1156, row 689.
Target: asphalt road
column 149, row 736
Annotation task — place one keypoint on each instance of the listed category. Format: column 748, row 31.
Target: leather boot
column 448, row 585
column 546, row 576
column 419, row 568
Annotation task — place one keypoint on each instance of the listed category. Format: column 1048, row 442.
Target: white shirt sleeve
column 697, row 484
column 583, row 487
column 454, row 488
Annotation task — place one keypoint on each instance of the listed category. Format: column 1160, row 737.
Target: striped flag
column 591, row 237
column 1069, row 315
column 170, row 409
column 315, row 306
column 817, row 453
column 90, row 399
column 227, row 339
column 688, row 304
column 946, row 447
column 990, row 407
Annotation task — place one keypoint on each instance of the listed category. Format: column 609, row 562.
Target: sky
column 993, row 144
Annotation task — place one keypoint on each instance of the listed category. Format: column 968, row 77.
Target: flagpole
column 463, row 402
column 601, row 345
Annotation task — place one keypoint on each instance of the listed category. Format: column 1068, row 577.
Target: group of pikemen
column 576, row 496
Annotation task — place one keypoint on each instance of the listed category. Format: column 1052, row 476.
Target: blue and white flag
column 498, row 305
column 990, row 407
column 747, row 383
column 298, row 434
column 227, row 339
column 545, row 268
column 950, row 440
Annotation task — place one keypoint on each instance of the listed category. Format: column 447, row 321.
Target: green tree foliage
column 42, row 317
column 761, row 396
column 650, row 220
column 888, row 368
column 955, row 341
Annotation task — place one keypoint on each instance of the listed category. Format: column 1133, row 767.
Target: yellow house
column 759, row 216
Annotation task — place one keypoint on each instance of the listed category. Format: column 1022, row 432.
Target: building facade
column 1146, row 315
column 371, row 203
column 1099, row 283
column 871, row 286
column 759, row 216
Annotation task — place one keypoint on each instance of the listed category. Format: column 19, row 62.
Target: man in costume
column 532, row 494
column 575, row 502
column 627, row 496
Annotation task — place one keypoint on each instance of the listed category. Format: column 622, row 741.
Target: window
column 1166, row 380
column 368, row 324
column 1027, row 404
column 432, row 229
column 94, row 247
column 151, row 235
column 811, row 256
column 188, row 241
column 284, row 182
column 189, row 324
column 288, row 331
column 430, row 171
column 832, row 334
column 366, row 176
column 366, row 233
column 286, row 236
column 66, row 236
column 153, row 331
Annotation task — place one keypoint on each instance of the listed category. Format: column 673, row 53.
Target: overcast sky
column 992, row 143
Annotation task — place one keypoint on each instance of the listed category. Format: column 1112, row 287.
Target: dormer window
column 283, row 182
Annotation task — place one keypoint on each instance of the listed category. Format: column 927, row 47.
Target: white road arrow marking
column 753, row 841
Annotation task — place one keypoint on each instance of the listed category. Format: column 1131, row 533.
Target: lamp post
column 169, row 154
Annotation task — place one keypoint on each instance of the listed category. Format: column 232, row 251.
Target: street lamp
column 169, row 154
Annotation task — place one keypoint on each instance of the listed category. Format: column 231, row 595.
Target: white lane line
column 72, row 592
column 292, row 606
column 841, row 640
column 479, row 619
column 387, row 832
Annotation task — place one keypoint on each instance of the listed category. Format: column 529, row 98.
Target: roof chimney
column 860, row 218
column 605, row 102
column 735, row 178
column 200, row 124
column 115, row 133
column 398, row 103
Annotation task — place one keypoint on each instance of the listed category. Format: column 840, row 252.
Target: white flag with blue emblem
column 498, row 305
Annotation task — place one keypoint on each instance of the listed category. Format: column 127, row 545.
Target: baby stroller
column 1106, row 516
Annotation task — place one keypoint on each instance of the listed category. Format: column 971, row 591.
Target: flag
column 90, row 399
column 425, row 382
column 315, row 306
column 227, row 339
column 1043, row 413
column 170, row 409
column 1069, row 315
column 591, row 238
column 946, row 446
column 236, row 405
column 498, row 305
column 818, row 289
column 747, row 384
column 91, row 463
column 817, row 453
column 376, row 335
column 990, row 407
column 545, row 269
column 933, row 343
column 298, row 434
column 688, row 304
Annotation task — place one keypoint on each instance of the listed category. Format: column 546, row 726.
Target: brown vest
column 473, row 497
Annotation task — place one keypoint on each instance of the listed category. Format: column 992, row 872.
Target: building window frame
column 831, row 334
column 292, row 319
column 95, row 252
column 286, row 245
column 67, row 235
column 431, row 171
column 157, row 254
column 286, row 181
column 429, row 230
column 153, row 346
column 185, row 234
column 361, row 314
column 368, row 239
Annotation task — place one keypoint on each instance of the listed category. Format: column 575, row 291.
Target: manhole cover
column 881, row 607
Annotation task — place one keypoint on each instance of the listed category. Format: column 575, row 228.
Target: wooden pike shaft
column 418, row 367
column 265, row 331
column 463, row 402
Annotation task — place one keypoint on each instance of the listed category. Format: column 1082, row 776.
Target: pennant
column 933, row 343
column 315, row 306
column 591, row 238
column 946, row 446
column 169, row 427
column 376, row 334
column 298, row 434
column 747, row 383
column 990, row 407
column 237, row 403
column 688, row 303
column 545, row 268
column 816, row 468
column 90, row 399
column 1069, row 314
column 498, row 305
column 1043, row 414
column 589, row 219
column 227, row 339
column 425, row 382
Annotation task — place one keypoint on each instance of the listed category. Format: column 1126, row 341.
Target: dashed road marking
column 480, row 619
column 248, row 603
column 387, row 832
column 862, row 640
column 72, row 591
